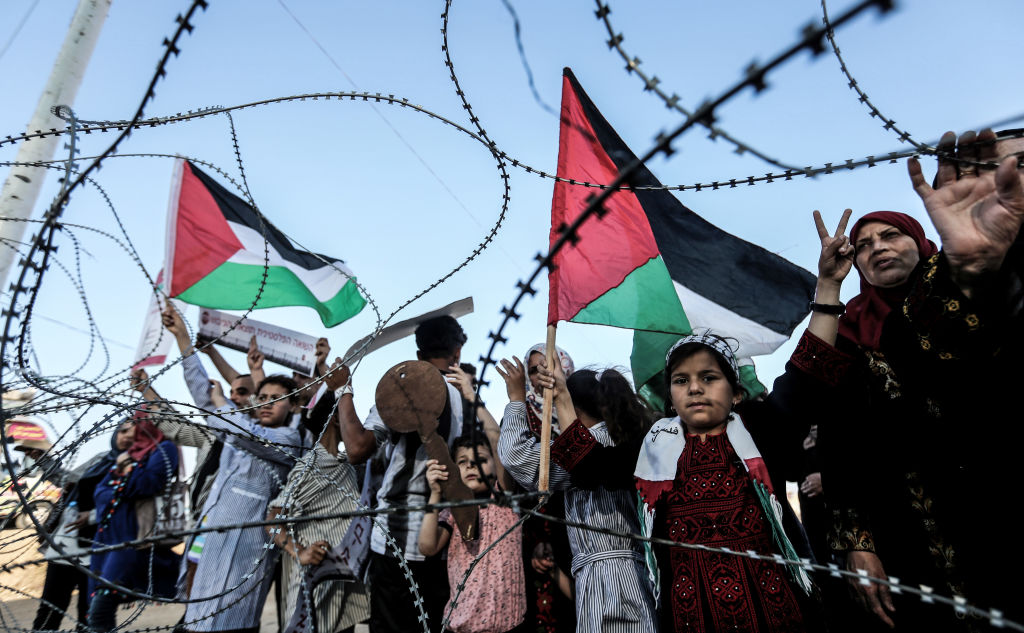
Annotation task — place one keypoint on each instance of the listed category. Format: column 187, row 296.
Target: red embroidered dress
column 715, row 505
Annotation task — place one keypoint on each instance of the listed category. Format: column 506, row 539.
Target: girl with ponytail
column 598, row 412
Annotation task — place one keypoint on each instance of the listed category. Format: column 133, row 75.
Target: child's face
column 270, row 413
column 465, row 459
column 700, row 393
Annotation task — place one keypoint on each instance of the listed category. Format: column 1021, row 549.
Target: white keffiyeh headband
column 709, row 339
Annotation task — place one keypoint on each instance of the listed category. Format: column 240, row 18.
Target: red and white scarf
column 656, row 472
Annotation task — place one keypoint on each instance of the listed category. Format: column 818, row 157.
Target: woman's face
column 125, row 436
column 701, row 394
column 885, row 255
column 533, row 364
column 273, row 414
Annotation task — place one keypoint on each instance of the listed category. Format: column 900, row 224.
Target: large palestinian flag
column 652, row 264
column 217, row 249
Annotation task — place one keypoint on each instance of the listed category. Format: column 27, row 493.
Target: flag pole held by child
column 545, row 426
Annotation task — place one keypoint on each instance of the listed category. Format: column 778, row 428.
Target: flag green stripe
column 233, row 286
column 645, row 300
column 749, row 381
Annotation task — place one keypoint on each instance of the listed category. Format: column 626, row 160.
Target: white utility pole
column 21, row 189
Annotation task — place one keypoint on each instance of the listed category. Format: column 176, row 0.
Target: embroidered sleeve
column 945, row 322
column 816, row 357
column 572, row 446
column 849, row 532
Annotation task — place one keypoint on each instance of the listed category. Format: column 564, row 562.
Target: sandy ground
column 18, row 589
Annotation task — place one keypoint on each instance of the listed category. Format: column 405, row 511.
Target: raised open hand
column 515, row 378
column 977, row 214
column 836, row 257
column 462, row 381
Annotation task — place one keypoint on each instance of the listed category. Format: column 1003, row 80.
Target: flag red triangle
column 202, row 238
column 609, row 248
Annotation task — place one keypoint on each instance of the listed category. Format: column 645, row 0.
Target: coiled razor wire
column 43, row 247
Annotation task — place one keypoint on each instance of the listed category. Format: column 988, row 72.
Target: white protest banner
column 285, row 347
column 154, row 340
column 400, row 330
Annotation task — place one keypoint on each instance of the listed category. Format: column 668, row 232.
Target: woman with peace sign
column 919, row 446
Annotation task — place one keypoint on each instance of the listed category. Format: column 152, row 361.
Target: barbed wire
column 43, row 243
column 925, row 593
column 789, row 174
column 887, row 123
column 651, row 83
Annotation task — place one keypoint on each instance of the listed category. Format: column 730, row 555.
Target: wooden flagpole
column 545, row 425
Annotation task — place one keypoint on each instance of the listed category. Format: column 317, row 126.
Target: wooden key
column 410, row 398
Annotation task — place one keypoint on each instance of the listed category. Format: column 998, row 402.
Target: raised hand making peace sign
column 834, row 265
column 836, row 257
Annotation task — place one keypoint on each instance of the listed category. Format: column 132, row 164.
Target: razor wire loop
column 127, row 128
column 888, row 124
column 507, row 312
column 103, row 125
column 926, row 593
column 651, row 83
column 827, row 168
column 43, row 243
column 134, row 254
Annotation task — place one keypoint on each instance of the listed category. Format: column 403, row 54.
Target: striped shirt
column 321, row 483
column 603, row 565
column 405, row 480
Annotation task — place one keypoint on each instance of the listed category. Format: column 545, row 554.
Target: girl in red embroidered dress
column 703, row 481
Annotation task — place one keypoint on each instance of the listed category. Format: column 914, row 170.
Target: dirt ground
column 19, row 588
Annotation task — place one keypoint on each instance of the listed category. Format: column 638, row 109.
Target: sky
column 403, row 198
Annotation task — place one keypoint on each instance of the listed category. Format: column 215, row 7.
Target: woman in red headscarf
column 145, row 468
column 920, row 458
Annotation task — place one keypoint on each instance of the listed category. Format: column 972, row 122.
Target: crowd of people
column 893, row 415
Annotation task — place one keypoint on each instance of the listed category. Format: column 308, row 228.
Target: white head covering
column 533, row 398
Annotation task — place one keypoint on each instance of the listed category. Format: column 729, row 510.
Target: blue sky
column 336, row 176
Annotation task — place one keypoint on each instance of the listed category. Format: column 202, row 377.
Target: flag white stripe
column 324, row 282
column 754, row 339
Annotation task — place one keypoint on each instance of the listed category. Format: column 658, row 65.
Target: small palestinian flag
column 217, row 249
column 655, row 266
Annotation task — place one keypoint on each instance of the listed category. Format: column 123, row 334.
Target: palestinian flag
column 652, row 264
column 217, row 249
